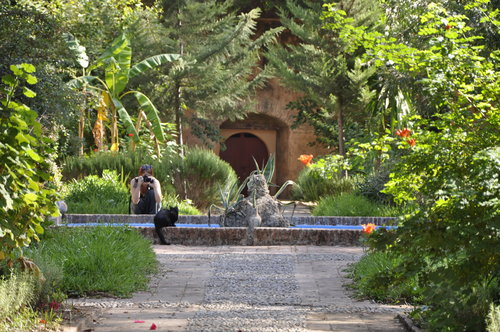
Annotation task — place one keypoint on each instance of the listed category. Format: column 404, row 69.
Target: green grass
column 355, row 206
column 97, row 260
column 375, row 278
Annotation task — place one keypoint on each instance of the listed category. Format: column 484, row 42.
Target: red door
column 241, row 149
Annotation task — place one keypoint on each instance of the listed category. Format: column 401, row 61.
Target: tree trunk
column 81, row 129
column 341, row 137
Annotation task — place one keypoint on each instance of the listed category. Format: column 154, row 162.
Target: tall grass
column 355, row 206
column 98, row 260
column 311, row 186
column 375, row 278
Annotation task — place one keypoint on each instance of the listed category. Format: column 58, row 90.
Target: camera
column 147, row 179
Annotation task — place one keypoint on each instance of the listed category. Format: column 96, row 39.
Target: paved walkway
column 235, row 288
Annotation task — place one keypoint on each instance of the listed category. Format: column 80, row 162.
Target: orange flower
column 368, row 229
column 411, row 142
column 305, row 159
column 43, row 321
column 403, row 132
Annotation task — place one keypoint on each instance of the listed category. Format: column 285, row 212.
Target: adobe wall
column 271, row 116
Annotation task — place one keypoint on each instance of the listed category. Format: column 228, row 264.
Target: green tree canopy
column 323, row 65
column 219, row 68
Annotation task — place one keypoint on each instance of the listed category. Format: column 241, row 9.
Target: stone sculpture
column 257, row 209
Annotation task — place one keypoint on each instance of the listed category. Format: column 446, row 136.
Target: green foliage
column 375, row 277
column 185, row 206
column 116, row 61
column 493, row 320
column 16, row 291
column 354, row 205
column 98, row 260
column 106, row 194
column 313, row 183
column 324, row 67
column 217, row 73
column 26, row 198
column 199, row 175
column 451, row 241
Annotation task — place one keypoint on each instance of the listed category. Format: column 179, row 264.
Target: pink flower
column 139, row 321
column 153, row 326
column 54, row 305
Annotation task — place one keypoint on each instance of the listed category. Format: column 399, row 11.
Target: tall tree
column 322, row 63
column 218, row 69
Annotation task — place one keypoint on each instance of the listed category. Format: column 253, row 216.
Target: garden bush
column 26, row 195
column 17, row 290
column 199, row 175
column 106, row 194
column 374, row 277
column 97, row 260
column 312, row 185
column 451, row 169
column 356, row 206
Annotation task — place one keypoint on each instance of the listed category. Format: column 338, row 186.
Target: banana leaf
column 152, row 62
column 77, row 49
column 152, row 113
column 79, row 82
column 125, row 118
column 117, row 69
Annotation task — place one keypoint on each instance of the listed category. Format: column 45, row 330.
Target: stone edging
column 263, row 236
column 139, row 219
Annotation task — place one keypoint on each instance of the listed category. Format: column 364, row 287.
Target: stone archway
column 241, row 150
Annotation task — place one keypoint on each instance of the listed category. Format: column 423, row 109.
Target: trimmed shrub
column 199, row 175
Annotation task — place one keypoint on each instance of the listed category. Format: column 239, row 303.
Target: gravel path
column 261, row 289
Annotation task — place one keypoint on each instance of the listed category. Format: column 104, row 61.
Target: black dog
column 165, row 218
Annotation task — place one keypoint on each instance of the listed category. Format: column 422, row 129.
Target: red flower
column 131, row 135
column 411, row 142
column 54, row 305
column 305, row 159
column 153, row 326
column 43, row 321
column 403, row 132
column 368, row 229
column 95, row 150
column 447, row 27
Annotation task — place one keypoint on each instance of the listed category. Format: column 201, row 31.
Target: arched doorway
column 241, row 150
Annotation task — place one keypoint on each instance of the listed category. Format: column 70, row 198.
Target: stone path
column 235, row 288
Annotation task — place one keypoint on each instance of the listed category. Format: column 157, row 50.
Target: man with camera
column 145, row 191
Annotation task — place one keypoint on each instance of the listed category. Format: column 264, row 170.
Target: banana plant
column 118, row 70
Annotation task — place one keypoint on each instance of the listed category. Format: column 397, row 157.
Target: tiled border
column 308, row 220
